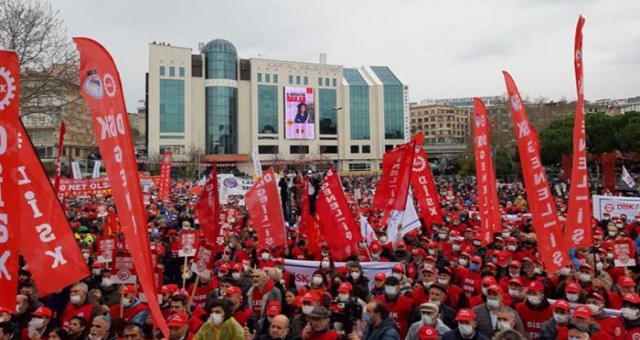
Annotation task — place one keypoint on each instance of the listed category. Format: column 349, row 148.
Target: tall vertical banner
column 9, row 208
column 424, row 187
column 487, row 192
column 305, row 209
column 75, row 170
column 578, row 231
column 208, row 213
column 551, row 247
column 265, row 208
column 393, row 188
column 102, row 90
column 337, row 224
column 96, row 169
column 257, row 166
column 627, row 178
column 165, row 176
column 299, row 113
column 56, row 181
column 46, row 240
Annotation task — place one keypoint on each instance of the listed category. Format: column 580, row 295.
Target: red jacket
column 83, row 311
column 610, row 325
column 400, row 310
column 533, row 319
column 202, row 292
column 243, row 315
column 127, row 313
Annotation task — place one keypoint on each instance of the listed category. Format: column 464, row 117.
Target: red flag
column 393, row 187
column 337, row 224
column 9, row 208
column 487, row 192
column 56, row 181
column 111, row 224
column 305, row 211
column 208, row 213
column 165, row 176
column 424, row 187
column 577, row 228
column 264, row 207
column 46, row 240
column 102, row 90
column 543, row 210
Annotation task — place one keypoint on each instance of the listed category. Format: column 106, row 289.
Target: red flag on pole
column 264, row 207
column 393, row 187
column 424, row 187
column 578, row 226
column 56, row 181
column 337, row 225
column 487, row 191
column 102, row 90
column 305, row 209
column 543, row 209
column 208, row 212
column 9, row 206
column 165, row 176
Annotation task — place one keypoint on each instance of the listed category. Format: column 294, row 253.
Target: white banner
column 96, row 169
column 615, row 206
column 257, row 166
column 626, row 177
column 232, row 185
column 303, row 270
column 75, row 168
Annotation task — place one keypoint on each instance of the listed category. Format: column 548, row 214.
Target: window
column 319, row 81
column 267, row 109
column 388, row 147
column 366, row 149
column 297, row 80
column 176, row 149
column 267, row 78
column 267, row 149
column 298, row 149
column 290, row 79
column 172, row 71
column 326, row 82
column 221, row 120
column 359, row 166
column 161, row 71
column 181, row 72
column 358, row 104
column 77, row 152
column 275, row 78
column 355, row 148
column 171, row 105
column 328, row 119
column 328, row 149
column 334, row 82
column 306, row 80
column 259, row 77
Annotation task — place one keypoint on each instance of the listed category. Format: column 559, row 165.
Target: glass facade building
column 171, row 105
column 328, row 115
column 393, row 103
column 267, row 109
column 359, row 117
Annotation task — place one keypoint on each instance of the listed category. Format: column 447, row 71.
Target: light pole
column 337, row 109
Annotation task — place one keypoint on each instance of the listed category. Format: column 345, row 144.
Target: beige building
column 446, row 129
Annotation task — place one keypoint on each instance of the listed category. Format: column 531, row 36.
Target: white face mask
column 477, row 243
column 126, row 302
column 629, row 313
column 456, row 247
column 594, row 308
column 443, row 282
column 493, row 303
column 573, row 297
column 86, row 256
column 37, row 322
column 514, row 275
column 565, row 271
column 466, row 330
column 383, row 239
column 432, row 251
column 325, row 264
column 344, row 297
column 216, row 318
column 505, row 235
column 427, row 284
column 317, row 280
column 435, row 302
column 442, row 236
column 514, row 292
column 75, row 299
column 561, row 318
column 504, row 325
column 427, row 319
column 306, row 310
column 391, row 290
column 355, row 275
column 397, row 276
column 584, row 277
column 106, row 282
column 599, row 266
column 534, row 299
column 538, row 270
column 96, row 272
column 236, row 276
column 484, row 290
column 463, row 262
column 512, row 248
column 265, row 256
column 1, row 320
column 186, row 275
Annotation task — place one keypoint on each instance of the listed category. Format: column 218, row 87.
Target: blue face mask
column 474, row 267
column 367, row 318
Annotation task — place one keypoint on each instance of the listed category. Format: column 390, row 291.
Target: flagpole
column 184, row 271
column 193, row 291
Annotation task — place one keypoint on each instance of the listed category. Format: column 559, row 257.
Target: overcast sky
column 440, row 48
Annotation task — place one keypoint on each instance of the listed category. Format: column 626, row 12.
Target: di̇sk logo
column 109, row 85
column 7, row 88
column 166, row 159
column 515, row 103
column 419, row 164
column 230, row 183
column 93, row 85
column 609, row 208
column 124, row 275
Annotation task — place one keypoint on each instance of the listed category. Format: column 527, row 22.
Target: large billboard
column 299, row 113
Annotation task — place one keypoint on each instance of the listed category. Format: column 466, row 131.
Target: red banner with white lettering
column 165, row 176
column 208, row 213
column 102, row 90
column 46, row 240
column 393, row 187
column 487, row 193
column 264, row 207
column 84, row 186
column 577, row 230
column 56, row 182
column 9, row 205
column 551, row 247
column 337, row 224
column 424, row 188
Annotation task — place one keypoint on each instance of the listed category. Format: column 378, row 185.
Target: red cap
column 503, row 258
column 562, row 304
column 428, row 270
column 535, row 286
column 465, row 315
column 273, row 308
column 130, row 289
column 97, row 265
column 454, row 233
column 515, row 264
column 401, row 244
column 6, row 310
column 490, row 264
column 398, row 268
column 476, row 259
column 342, row 270
column 233, row 290
column 375, row 248
column 418, row 252
column 626, row 281
column 249, row 243
column 42, row 312
column 169, row 288
column 512, row 240
column 310, row 297
column 516, row 281
column 172, row 232
column 495, row 289
column 631, row 297
column 430, row 258
column 572, row 287
column 279, row 260
column 427, row 333
column 237, row 267
column 345, row 287
column 489, row 280
column 178, row 320
column 596, row 295
column 381, row 276
column 223, row 268
column 587, row 266
column 432, row 245
column 582, row 312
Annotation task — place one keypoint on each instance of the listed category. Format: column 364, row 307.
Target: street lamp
column 336, row 109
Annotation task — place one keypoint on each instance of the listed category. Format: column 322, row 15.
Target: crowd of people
column 445, row 284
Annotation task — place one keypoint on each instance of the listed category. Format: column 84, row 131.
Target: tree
column 48, row 61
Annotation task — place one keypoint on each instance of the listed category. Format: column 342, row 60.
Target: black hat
column 392, row 281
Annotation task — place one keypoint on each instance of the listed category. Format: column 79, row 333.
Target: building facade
column 446, row 129
column 288, row 111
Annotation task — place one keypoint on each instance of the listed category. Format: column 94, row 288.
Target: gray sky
column 440, row 48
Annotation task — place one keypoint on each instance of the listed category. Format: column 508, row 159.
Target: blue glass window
column 275, row 78
column 181, row 72
column 267, row 109
column 320, row 81
column 171, row 105
column 306, row 80
column 290, row 79
column 172, row 71
column 326, row 82
column 298, row 80
column 267, row 78
column 328, row 120
column 221, row 120
column 161, row 70
column 358, row 105
column 334, row 82
column 393, row 103
column 221, row 58
column 260, row 77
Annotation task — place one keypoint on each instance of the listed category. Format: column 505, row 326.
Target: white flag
column 96, row 169
column 410, row 219
column 626, row 177
column 257, row 166
column 75, row 168
column 367, row 231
